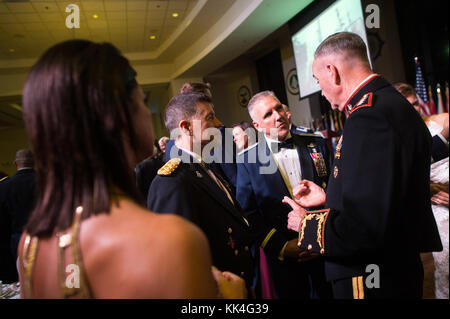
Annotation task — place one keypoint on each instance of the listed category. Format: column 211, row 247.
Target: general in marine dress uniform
column 261, row 187
column 190, row 189
column 378, row 216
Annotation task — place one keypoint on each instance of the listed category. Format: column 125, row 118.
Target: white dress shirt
column 288, row 164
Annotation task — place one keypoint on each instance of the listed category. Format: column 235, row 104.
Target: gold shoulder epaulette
column 169, row 167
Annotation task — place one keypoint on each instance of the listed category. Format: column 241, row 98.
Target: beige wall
column 225, row 87
column 11, row 140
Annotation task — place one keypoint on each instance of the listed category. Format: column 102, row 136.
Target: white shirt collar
column 269, row 140
column 195, row 156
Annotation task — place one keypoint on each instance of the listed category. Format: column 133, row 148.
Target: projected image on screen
column 343, row 15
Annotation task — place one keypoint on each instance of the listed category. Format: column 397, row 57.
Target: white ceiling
column 28, row 28
column 206, row 35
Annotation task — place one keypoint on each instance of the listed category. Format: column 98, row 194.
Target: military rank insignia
column 169, row 167
column 319, row 163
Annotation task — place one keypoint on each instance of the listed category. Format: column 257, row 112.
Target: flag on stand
column 440, row 108
column 432, row 106
column 421, row 91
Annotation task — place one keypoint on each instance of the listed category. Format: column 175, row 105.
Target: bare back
column 130, row 253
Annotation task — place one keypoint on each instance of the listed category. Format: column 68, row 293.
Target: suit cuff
column 312, row 231
column 442, row 138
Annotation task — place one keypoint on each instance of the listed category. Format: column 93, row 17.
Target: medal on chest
column 319, row 162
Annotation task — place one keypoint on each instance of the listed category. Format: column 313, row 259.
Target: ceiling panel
column 46, row 7
column 92, row 5
column 133, row 5
column 133, row 20
column 15, row 7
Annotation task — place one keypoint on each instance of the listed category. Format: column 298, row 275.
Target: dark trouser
column 293, row 280
column 404, row 282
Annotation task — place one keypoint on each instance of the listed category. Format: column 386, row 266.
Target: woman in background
column 88, row 235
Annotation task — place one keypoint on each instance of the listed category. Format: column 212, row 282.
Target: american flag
column 440, row 108
column 431, row 104
column 421, row 90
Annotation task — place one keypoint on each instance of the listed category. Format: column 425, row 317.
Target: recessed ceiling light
column 152, row 37
column 175, row 15
column 95, row 16
column 12, row 50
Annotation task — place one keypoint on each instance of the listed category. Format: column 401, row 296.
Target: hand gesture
column 297, row 214
column 231, row 286
column 309, row 194
column 441, row 198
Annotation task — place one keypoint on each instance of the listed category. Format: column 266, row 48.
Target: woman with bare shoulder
column 88, row 236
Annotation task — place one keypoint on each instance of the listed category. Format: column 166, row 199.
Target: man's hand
column 291, row 249
column 309, row 194
column 231, row 286
column 296, row 216
column 441, row 198
column 305, row 256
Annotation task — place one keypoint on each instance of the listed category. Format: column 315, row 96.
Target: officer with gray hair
column 377, row 215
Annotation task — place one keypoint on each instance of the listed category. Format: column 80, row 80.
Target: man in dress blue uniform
column 268, row 172
column 186, row 186
column 377, row 217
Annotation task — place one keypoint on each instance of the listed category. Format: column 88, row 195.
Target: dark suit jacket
column 439, row 149
column 8, row 272
column 190, row 192
column 146, row 172
column 21, row 197
column 378, row 198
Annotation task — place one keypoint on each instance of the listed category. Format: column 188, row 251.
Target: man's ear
column 185, row 127
column 333, row 72
column 256, row 125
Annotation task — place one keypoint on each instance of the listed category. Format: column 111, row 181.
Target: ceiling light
column 152, row 37
column 175, row 15
column 12, row 50
column 95, row 16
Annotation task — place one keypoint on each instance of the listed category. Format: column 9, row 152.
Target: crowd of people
column 255, row 210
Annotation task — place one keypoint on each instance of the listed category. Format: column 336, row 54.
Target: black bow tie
column 289, row 143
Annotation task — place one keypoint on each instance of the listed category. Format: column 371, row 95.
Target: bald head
column 24, row 158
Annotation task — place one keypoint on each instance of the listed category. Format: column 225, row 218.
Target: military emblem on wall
column 292, row 81
column 244, row 96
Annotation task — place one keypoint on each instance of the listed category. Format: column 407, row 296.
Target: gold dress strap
column 71, row 289
column 29, row 255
